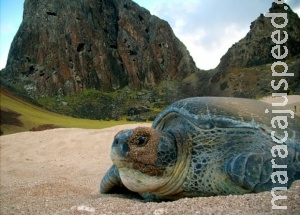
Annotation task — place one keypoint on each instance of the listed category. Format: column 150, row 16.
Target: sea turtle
column 207, row 146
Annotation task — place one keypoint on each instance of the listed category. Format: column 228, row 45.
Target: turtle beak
column 120, row 147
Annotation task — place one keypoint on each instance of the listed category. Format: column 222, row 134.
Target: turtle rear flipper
column 111, row 182
column 259, row 172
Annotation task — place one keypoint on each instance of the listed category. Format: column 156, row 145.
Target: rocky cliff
column 65, row 47
column 245, row 70
column 255, row 48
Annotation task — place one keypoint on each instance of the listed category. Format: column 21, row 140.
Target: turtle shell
column 226, row 112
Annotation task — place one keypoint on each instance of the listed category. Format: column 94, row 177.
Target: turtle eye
column 141, row 141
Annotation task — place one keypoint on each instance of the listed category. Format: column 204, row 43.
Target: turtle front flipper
column 260, row 171
column 111, row 182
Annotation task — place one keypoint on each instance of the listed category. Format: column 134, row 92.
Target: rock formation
column 64, row 47
column 245, row 70
column 255, row 48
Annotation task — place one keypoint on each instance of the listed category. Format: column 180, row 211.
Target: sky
column 208, row 28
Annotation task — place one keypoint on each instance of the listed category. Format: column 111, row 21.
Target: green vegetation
column 117, row 105
column 89, row 104
column 25, row 117
column 87, row 109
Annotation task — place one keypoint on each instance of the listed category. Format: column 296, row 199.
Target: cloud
column 7, row 29
column 3, row 57
column 207, row 54
column 7, row 33
column 293, row 3
column 210, row 28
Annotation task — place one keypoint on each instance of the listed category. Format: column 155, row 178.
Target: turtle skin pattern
column 214, row 146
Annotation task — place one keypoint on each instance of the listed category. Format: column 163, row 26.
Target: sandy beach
column 58, row 171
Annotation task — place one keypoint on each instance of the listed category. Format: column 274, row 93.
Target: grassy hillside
column 18, row 115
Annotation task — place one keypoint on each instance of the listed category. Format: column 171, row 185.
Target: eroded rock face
column 64, row 47
column 245, row 70
column 255, row 48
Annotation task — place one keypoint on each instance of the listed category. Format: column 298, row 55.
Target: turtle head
column 145, row 158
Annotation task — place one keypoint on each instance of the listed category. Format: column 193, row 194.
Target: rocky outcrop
column 64, row 47
column 245, row 70
column 255, row 48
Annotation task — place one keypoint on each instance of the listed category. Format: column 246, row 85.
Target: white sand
column 58, row 172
